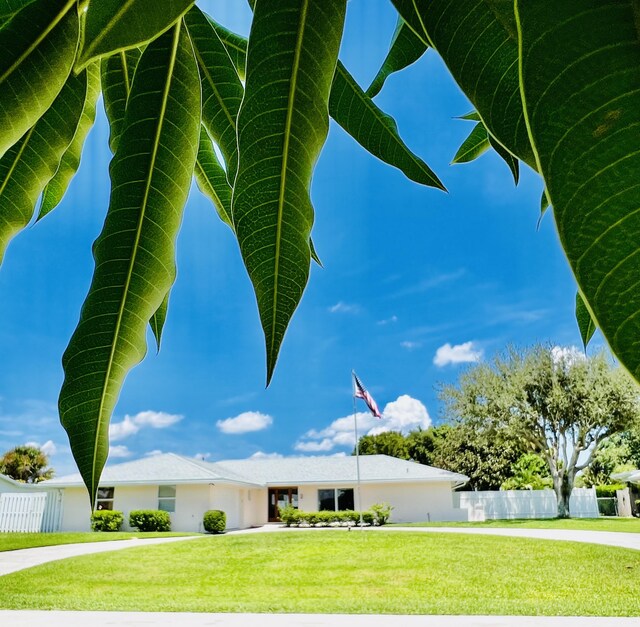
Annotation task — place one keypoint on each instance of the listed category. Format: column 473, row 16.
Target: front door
column 279, row 498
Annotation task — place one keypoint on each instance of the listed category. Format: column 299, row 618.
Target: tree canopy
column 27, row 464
column 561, row 405
column 553, row 86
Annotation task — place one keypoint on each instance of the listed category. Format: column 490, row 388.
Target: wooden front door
column 281, row 497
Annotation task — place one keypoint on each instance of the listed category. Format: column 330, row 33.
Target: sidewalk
column 163, row 619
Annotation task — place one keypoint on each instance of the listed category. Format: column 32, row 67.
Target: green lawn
column 335, row 571
column 631, row 525
column 12, row 541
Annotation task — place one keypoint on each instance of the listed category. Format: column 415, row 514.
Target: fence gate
column 22, row 512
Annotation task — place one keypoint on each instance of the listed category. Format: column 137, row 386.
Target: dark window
column 104, row 499
column 336, row 499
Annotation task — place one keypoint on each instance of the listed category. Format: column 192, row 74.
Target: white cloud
column 391, row 320
column 567, row 354
column 156, row 451
column 120, row 450
column 261, row 455
column 48, row 448
column 458, row 354
column 244, row 423
column 132, row 424
column 341, row 307
column 202, row 456
column 403, row 414
column 311, row 446
column 122, row 430
column 410, row 345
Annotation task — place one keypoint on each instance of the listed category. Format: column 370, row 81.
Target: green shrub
column 106, row 520
column 150, row 520
column 215, row 521
column 608, row 491
column 381, row 512
column 607, row 506
column 289, row 515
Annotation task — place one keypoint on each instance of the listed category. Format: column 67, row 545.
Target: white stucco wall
column 76, row 512
column 412, row 502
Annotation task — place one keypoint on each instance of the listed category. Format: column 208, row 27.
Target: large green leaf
column 212, row 179
column 282, row 126
column 37, row 45
column 57, row 186
column 585, row 322
column 512, row 162
column 373, row 129
column 476, row 144
column 222, row 90
column 580, row 73
column 477, row 39
column 113, row 25
column 406, row 48
column 28, row 165
column 135, row 253
column 117, row 76
column 235, row 44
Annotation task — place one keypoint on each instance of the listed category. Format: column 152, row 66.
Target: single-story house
column 250, row 491
column 29, row 506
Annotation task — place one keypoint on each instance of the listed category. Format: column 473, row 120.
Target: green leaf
column 511, row 161
column 544, row 205
column 282, row 126
column 113, row 25
column 30, row 164
column 57, row 186
column 585, row 322
column 235, row 44
column 406, row 48
column 314, row 254
column 472, row 116
column 580, row 73
column 476, row 143
column 212, row 179
column 222, row 90
column 117, row 76
column 38, row 46
column 477, row 39
column 373, row 129
column 135, row 253
column 158, row 319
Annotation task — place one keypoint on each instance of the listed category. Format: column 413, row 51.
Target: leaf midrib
column 145, row 199
column 14, row 165
column 285, row 158
column 38, row 41
column 107, row 29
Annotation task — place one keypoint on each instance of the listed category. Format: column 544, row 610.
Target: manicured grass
column 13, row 541
column 631, row 525
column 335, row 571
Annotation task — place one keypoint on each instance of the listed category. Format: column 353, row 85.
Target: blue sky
column 416, row 285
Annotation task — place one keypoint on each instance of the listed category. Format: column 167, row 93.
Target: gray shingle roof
column 171, row 468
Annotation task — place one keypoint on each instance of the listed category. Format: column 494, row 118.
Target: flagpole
column 355, row 429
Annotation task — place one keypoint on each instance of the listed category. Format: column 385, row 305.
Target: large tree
column 559, row 403
column 26, row 463
column 553, row 85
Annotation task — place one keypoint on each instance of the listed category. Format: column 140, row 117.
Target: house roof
column 325, row 469
column 169, row 468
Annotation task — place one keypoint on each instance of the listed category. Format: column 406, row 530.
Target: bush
column 289, row 515
column 215, row 521
column 608, row 491
column 106, row 520
column 150, row 520
column 381, row 512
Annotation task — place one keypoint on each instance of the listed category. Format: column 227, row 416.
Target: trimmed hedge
column 608, row 491
column 106, row 520
column 215, row 521
column 377, row 515
column 150, row 520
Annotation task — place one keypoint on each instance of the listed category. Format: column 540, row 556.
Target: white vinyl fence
column 30, row 511
column 505, row 504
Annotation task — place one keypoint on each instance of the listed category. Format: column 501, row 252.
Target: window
column 167, row 498
column 104, row 499
column 335, row 500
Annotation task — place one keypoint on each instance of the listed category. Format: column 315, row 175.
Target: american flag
column 361, row 392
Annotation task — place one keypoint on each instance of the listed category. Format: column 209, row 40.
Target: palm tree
column 27, row 464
